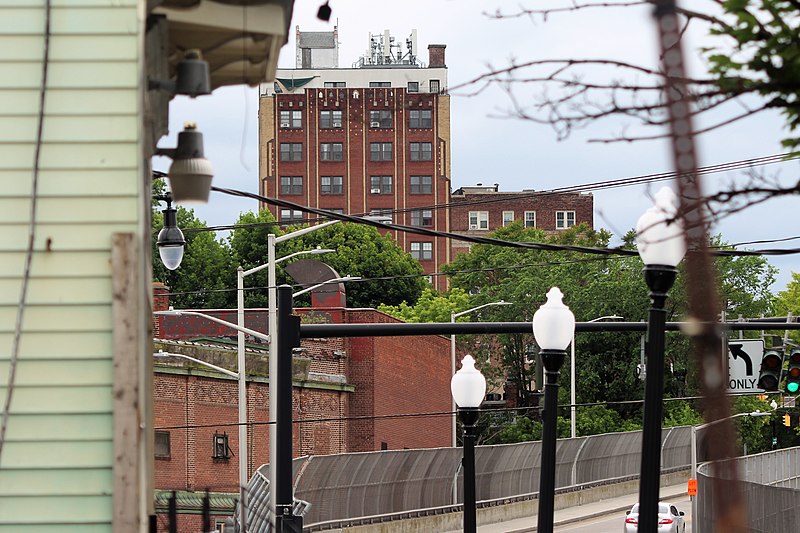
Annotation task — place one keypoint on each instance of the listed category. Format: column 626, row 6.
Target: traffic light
column 769, row 378
column 787, row 420
column 793, row 373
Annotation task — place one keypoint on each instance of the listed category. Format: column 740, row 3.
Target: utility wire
column 26, row 274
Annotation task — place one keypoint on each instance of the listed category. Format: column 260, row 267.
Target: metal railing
column 388, row 484
column 770, row 483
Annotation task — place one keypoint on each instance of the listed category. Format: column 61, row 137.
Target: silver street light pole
column 453, row 317
column 572, row 400
column 272, row 292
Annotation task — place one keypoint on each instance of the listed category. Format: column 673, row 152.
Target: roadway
column 613, row 521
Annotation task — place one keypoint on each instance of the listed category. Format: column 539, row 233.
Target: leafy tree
column 597, row 287
column 391, row 275
column 431, row 306
column 788, row 301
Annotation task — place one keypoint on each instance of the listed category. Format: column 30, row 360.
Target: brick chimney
column 436, row 55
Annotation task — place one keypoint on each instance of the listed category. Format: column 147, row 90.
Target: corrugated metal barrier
column 770, row 483
column 371, row 484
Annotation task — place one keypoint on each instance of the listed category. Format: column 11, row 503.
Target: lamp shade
column 190, row 173
column 659, row 235
column 553, row 323
column 468, row 385
column 170, row 240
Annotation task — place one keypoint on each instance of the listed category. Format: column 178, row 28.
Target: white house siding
column 56, row 463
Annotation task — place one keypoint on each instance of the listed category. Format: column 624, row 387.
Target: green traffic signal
column 793, row 372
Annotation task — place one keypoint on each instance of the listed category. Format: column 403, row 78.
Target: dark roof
column 317, row 39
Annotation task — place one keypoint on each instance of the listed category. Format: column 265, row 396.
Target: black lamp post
column 659, row 237
column 469, row 388
column 170, row 238
column 554, row 328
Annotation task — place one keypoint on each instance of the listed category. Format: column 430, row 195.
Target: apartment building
column 371, row 139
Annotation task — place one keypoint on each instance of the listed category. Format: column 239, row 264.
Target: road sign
column 692, row 487
column 744, row 358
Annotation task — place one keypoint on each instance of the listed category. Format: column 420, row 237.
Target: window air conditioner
column 284, row 124
column 376, row 190
column 337, row 123
column 374, row 124
column 473, row 226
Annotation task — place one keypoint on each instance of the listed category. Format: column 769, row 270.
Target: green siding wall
column 56, row 466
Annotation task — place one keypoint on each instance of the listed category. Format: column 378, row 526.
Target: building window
column 421, row 185
column 530, row 219
column 291, row 151
column 380, row 151
column 221, row 449
column 162, row 445
column 420, row 118
column 413, row 86
column 333, row 84
column 380, row 84
column 382, row 213
column 380, row 185
column 478, row 220
column 380, row 118
column 565, row 219
column 434, row 86
column 291, row 216
column 422, row 251
column 420, row 151
column 291, row 184
column 508, row 217
column 330, row 185
column 422, row 217
column 330, row 119
column 291, row 119
column 330, row 152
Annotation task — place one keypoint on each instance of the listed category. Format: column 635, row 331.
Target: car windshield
column 662, row 509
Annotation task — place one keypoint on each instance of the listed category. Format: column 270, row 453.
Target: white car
column 670, row 520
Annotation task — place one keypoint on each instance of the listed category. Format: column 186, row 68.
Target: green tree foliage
column 788, row 301
column 392, row 275
column 597, row 287
column 431, row 306
column 206, row 274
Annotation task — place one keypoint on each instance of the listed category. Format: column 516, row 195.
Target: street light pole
column 553, row 328
column 661, row 246
column 453, row 316
column 572, row 395
column 468, row 387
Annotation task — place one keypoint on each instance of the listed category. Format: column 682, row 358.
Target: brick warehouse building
column 479, row 210
column 346, row 391
column 372, row 139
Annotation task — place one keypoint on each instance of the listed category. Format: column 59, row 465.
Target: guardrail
column 382, row 485
column 770, row 483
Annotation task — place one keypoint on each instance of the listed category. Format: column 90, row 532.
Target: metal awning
column 240, row 39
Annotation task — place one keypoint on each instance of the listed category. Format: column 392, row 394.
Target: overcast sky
column 488, row 148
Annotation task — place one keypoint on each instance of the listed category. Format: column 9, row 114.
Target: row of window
column 220, row 447
column 412, row 86
column 417, row 217
column 480, row 219
column 377, row 151
column 290, row 185
column 378, row 118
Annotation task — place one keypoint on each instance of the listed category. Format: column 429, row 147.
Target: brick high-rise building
column 371, row 139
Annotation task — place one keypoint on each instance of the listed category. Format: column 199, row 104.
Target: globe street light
column 170, row 239
column 468, row 387
column 553, row 328
column 453, row 317
column 659, row 239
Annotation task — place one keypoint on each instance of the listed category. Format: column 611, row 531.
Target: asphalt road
column 614, row 522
